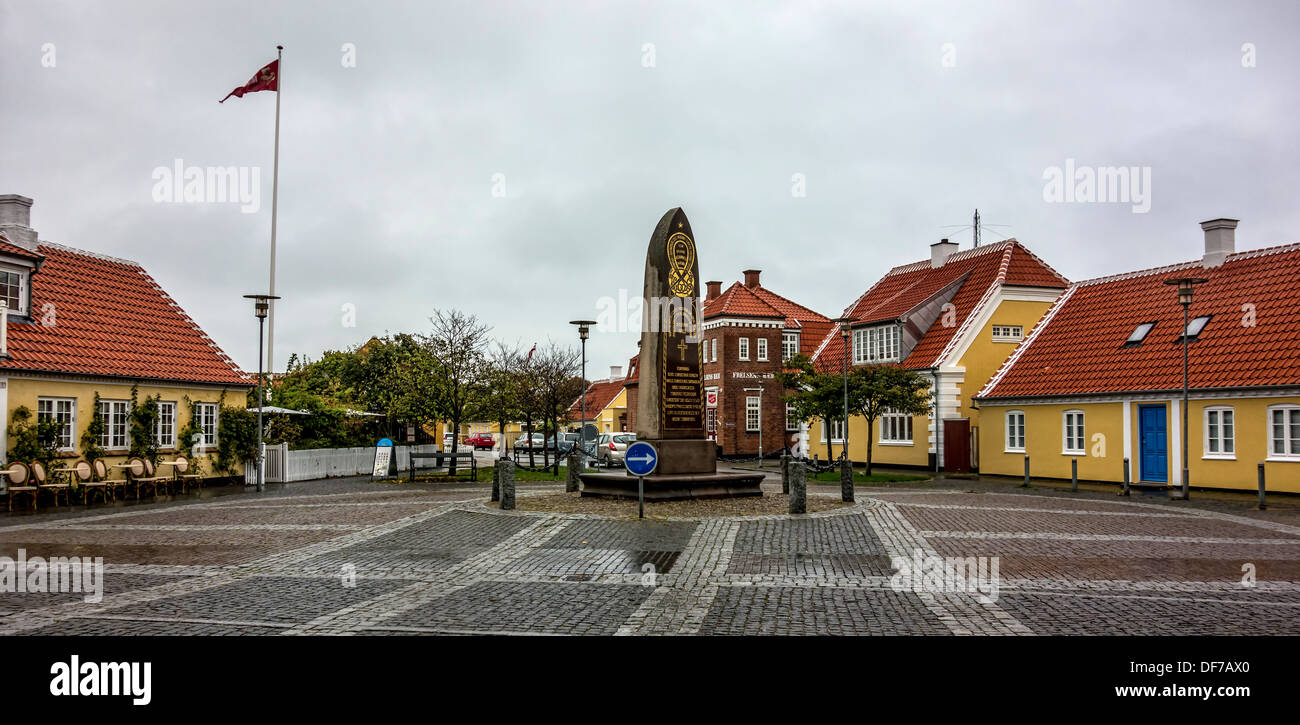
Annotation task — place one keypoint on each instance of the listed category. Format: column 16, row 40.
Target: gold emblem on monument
column 681, row 256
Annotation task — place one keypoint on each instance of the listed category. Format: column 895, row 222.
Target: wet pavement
column 349, row 556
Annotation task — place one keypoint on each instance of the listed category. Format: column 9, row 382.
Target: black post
column 1074, row 475
column 640, row 497
column 1026, row 483
column 261, row 326
column 1186, row 484
column 1125, row 491
column 1260, row 469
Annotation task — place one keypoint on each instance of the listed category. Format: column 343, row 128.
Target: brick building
column 747, row 332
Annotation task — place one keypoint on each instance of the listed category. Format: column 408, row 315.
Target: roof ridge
column 1039, row 260
column 1248, row 254
column 87, row 253
column 790, row 302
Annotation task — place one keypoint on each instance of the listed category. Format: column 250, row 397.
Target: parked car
column 482, row 441
column 612, row 448
column 523, row 441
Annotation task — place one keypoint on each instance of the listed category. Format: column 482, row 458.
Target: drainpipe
column 938, row 425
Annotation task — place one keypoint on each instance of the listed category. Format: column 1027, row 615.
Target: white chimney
column 615, row 372
column 1220, row 241
column 16, row 220
column 940, row 251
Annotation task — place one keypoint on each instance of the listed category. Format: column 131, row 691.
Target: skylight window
column 1194, row 327
column 1139, row 333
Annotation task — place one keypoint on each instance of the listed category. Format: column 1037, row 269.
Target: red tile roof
column 110, row 318
column 978, row 271
column 633, row 374
column 599, row 394
column 760, row 302
column 6, row 247
column 1079, row 347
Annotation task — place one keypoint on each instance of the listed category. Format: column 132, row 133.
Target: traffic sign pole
column 640, row 497
column 641, row 459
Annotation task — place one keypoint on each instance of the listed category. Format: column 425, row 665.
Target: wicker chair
column 180, row 466
column 142, row 475
column 87, row 483
column 43, row 483
column 111, row 485
column 19, row 476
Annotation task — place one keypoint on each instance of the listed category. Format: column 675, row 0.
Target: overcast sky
column 902, row 118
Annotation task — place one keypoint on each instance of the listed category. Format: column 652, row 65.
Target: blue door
column 1154, row 444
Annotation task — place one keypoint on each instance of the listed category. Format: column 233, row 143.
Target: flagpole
column 275, row 203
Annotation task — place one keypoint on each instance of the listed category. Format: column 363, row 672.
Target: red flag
column 530, row 352
column 267, row 79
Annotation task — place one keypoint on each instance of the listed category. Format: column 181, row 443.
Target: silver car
column 612, row 447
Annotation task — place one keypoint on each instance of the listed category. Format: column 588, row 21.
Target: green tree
column 190, row 438
column 236, row 438
column 877, row 389
column 813, row 393
column 33, row 439
column 453, row 385
column 94, row 434
column 143, row 425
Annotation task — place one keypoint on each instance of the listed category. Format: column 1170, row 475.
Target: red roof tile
column 111, row 318
column 1079, row 347
column 742, row 301
column 599, row 394
column 979, row 272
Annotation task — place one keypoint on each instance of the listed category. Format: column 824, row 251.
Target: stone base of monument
column 668, row 487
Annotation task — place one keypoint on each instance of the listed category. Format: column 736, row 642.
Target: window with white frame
column 116, row 425
column 1008, row 333
column 1220, row 435
column 1072, row 432
column 715, row 349
column 877, row 344
column 1284, row 431
column 836, row 431
column 791, row 417
column 13, row 289
column 752, row 413
column 207, row 413
column 1015, row 431
column 895, row 427
column 761, row 343
column 789, row 345
column 704, row 351
column 165, row 428
column 743, row 353
column 62, row 411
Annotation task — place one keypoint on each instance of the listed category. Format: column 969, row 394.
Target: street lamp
column 846, row 329
column 261, row 304
column 759, row 390
column 584, row 330
column 1185, row 289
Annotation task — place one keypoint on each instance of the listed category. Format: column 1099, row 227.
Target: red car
column 481, row 441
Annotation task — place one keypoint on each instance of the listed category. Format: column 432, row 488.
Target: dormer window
column 1194, row 328
column 1139, row 334
column 879, row 344
column 13, row 288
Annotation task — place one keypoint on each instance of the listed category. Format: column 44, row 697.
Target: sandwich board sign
column 385, row 461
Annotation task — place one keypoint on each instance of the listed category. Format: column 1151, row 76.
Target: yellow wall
column 26, row 392
column 607, row 421
column 1043, row 441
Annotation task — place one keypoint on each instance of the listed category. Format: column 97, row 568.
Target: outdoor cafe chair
column 19, row 475
column 43, row 483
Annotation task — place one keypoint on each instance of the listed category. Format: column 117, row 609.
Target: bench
column 440, row 455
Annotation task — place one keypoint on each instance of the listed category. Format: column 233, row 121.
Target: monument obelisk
column 670, row 404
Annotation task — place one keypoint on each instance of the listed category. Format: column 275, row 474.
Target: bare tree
column 500, row 399
column 555, row 378
column 458, row 343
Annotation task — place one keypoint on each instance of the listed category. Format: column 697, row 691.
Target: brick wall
column 731, row 424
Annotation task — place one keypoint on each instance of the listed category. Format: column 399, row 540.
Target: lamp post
column 759, row 390
column 846, row 329
column 1185, row 289
column 584, row 330
column 261, row 304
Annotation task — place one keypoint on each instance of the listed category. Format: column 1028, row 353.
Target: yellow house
column 954, row 319
column 76, row 324
column 1097, row 387
column 606, row 404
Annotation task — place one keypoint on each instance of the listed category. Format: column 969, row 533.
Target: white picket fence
column 283, row 465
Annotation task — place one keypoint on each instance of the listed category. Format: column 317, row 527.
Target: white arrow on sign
column 643, row 459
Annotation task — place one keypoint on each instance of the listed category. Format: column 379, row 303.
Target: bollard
column 846, row 480
column 571, row 481
column 798, row 489
column 1125, row 491
column 785, row 473
column 1026, row 483
column 508, row 486
column 496, row 479
column 1262, row 505
column 1074, row 475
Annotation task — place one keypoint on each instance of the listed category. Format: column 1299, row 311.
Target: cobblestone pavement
column 350, row 557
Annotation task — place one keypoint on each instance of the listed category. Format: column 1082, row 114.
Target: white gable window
column 789, row 345
column 1008, row 333
column 1015, row 431
column 879, row 344
column 1072, row 432
column 895, row 427
column 762, row 348
column 13, row 288
column 1284, row 432
column 743, row 353
column 1220, row 433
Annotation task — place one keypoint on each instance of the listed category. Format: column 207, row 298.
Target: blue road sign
column 641, row 459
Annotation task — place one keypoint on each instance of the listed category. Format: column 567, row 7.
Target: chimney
column 1220, row 241
column 715, row 290
column 939, row 253
column 615, row 372
column 16, row 220
column 751, row 277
